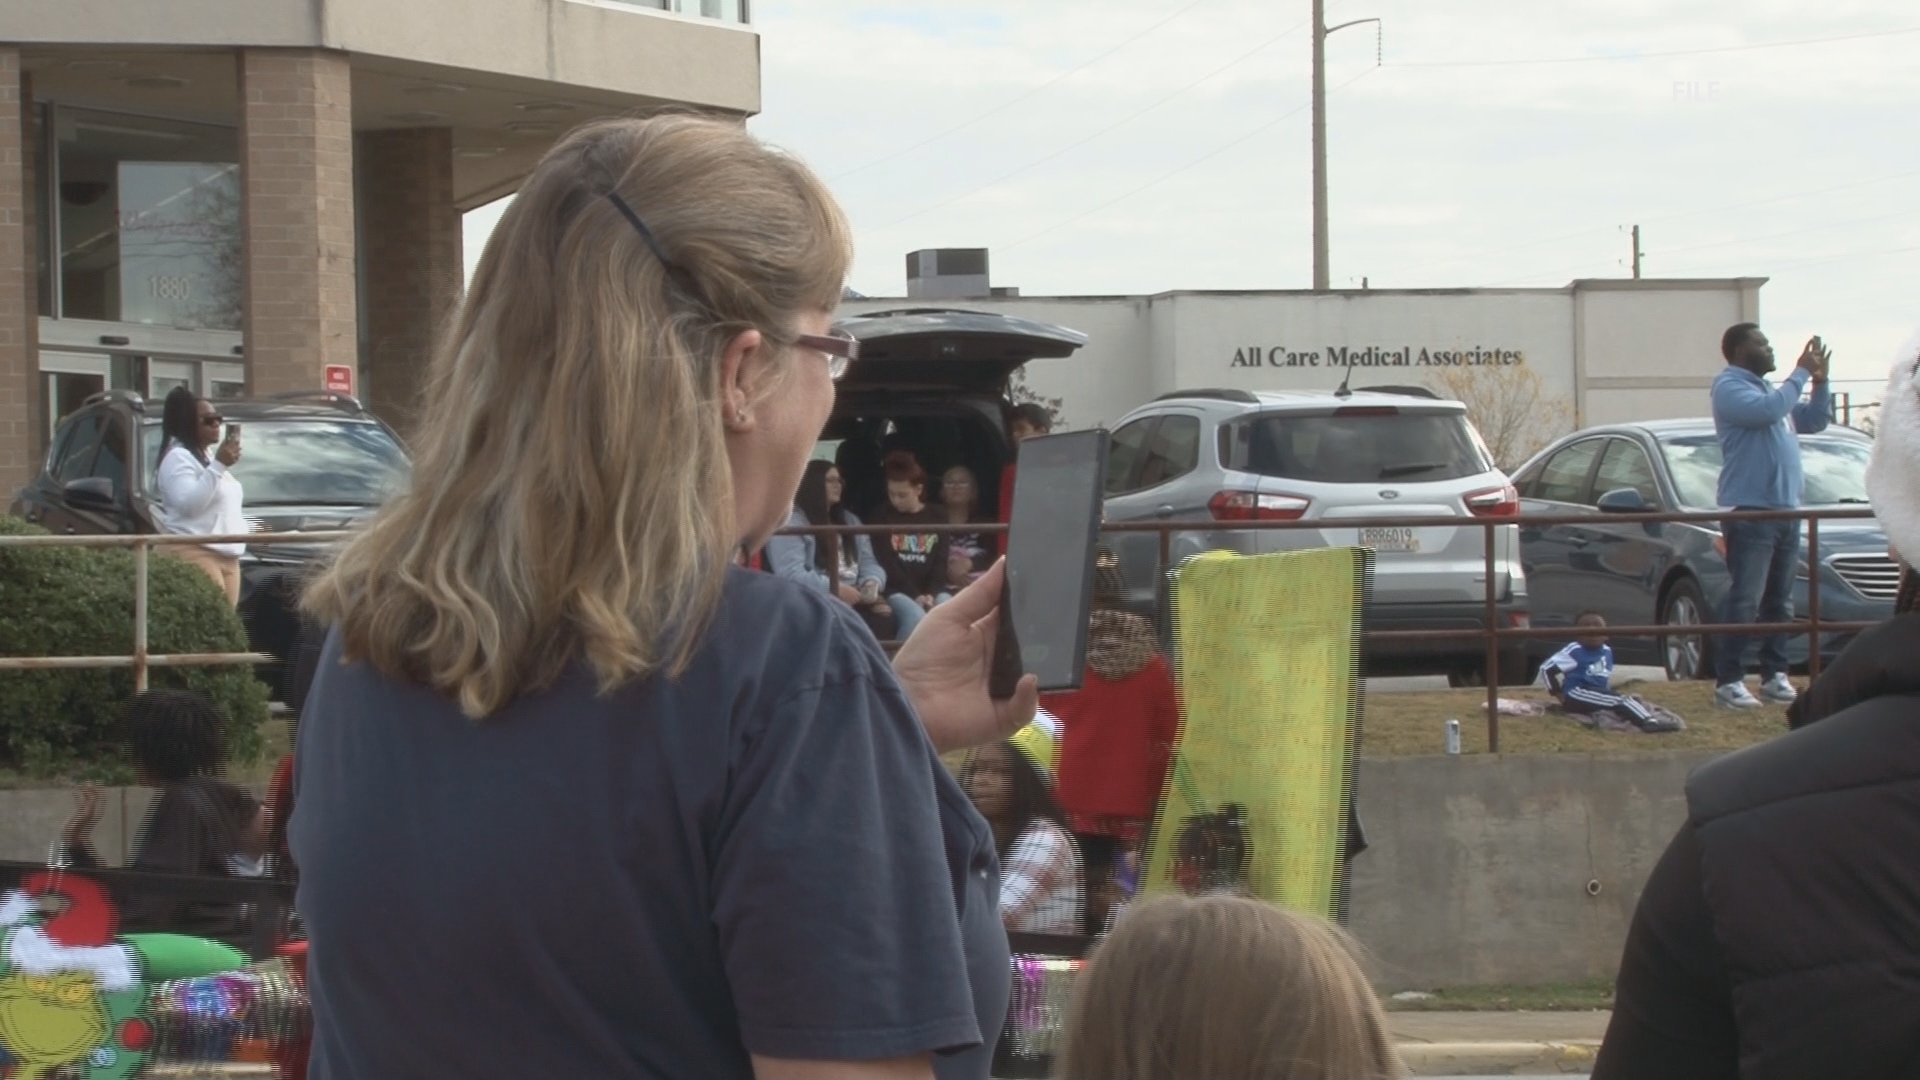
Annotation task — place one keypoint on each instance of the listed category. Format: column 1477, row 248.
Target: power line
column 1790, row 232
column 1656, row 220
column 1209, row 156
column 1005, row 105
column 1064, row 150
column 1652, row 55
column 1819, row 260
column 1848, row 256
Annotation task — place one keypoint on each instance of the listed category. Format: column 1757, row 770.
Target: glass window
column 725, row 10
column 73, row 447
column 1564, row 478
column 1626, row 465
column 1366, row 446
column 1834, row 470
column 1124, row 452
column 42, row 209
column 318, row 463
column 1173, row 451
column 111, row 462
column 149, row 220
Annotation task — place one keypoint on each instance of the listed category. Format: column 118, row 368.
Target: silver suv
column 1231, row 456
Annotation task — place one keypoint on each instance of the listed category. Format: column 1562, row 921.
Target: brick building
column 243, row 196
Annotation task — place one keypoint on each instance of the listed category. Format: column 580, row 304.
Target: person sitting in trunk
column 198, row 824
column 915, row 562
column 960, row 499
column 842, row 566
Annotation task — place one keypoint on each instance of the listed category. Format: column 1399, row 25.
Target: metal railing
column 141, row 661
column 270, row 898
column 1492, row 633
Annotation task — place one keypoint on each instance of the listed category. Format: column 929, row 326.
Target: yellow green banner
column 1268, row 651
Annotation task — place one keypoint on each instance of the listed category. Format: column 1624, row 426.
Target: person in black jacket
column 1779, row 935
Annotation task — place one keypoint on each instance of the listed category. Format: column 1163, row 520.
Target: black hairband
column 640, row 227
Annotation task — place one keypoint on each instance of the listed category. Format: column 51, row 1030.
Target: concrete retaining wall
column 1479, row 867
column 31, row 820
column 1477, row 875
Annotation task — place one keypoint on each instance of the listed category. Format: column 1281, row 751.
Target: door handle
column 1163, row 511
column 69, row 530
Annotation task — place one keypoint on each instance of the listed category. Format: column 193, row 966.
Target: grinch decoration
column 72, row 995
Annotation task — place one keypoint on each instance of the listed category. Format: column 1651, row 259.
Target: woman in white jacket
column 198, row 496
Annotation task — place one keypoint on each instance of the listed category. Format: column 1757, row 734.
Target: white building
column 1618, row 349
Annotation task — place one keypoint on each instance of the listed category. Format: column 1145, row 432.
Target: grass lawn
column 1397, row 724
column 1403, row 724
column 1551, row 997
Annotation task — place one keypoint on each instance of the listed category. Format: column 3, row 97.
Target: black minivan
column 937, row 380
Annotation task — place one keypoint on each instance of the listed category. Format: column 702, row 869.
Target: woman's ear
column 743, row 367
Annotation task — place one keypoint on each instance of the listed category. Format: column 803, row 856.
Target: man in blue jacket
column 1760, row 470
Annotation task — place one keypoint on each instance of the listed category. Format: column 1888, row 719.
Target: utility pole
column 1321, row 272
column 1636, row 252
column 1320, row 146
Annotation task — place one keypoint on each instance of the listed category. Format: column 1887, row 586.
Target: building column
column 19, row 309
column 296, row 213
column 412, row 261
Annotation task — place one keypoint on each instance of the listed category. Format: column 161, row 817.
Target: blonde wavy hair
column 1227, row 988
column 571, row 497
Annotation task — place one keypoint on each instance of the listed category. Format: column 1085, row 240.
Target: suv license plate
column 1390, row 539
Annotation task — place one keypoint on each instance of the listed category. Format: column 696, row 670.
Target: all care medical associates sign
column 1376, row 356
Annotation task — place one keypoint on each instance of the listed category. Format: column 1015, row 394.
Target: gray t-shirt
column 762, row 856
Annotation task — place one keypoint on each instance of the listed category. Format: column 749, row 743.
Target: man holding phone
column 1757, row 423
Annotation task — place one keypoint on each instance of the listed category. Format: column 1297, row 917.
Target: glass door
column 164, row 375
column 67, row 380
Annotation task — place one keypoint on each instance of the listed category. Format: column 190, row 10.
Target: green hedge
column 69, row 601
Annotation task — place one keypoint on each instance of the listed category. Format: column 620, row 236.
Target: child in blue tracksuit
column 1581, row 675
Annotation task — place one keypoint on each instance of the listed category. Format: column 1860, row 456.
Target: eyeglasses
column 214, row 418
column 840, row 347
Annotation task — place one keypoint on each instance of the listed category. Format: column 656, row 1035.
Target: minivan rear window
column 1362, row 447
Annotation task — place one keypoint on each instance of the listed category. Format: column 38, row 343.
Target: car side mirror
column 1623, row 501
column 89, row 493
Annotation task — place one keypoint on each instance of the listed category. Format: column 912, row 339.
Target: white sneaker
column 1779, row 689
column 1734, row 696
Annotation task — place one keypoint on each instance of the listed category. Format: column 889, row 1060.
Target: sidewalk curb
column 1498, row 1058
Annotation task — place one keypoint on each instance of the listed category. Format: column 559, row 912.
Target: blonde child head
column 1226, row 988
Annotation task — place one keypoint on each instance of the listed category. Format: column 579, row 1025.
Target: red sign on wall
column 339, row 379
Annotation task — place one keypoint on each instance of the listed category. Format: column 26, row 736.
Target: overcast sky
column 1138, row 146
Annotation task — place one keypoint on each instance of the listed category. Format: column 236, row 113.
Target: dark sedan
column 1676, row 574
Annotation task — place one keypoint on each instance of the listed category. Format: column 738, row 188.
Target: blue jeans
column 907, row 612
column 1762, row 559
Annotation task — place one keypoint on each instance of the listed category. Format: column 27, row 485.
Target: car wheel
column 1686, row 655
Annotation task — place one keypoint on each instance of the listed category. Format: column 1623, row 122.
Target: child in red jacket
column 1117, row 732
